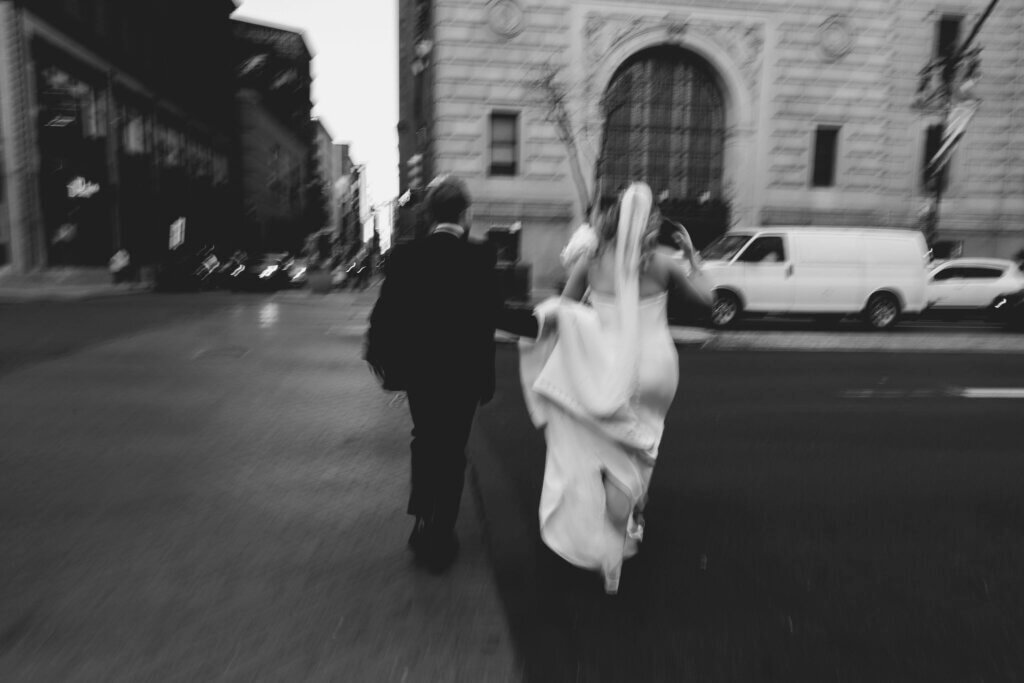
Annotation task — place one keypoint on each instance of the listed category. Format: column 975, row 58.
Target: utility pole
column 952, row 95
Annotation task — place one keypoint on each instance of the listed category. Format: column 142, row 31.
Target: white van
column 825, row 272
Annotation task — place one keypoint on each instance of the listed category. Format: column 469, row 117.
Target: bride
column 599, row 379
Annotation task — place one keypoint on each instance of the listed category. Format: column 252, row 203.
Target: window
column 724, row 248
column 764, row 250
column 950, row 274
column 665, row 123
column 823, row 173
column 947, row 35
column 984, row 273
column 932, row 144
column 504, row 143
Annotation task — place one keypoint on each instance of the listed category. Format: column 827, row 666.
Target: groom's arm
column 518, row 320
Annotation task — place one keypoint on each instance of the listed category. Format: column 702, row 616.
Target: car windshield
column 724, row 248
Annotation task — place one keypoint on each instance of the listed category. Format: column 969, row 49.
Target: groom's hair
column 447, row 199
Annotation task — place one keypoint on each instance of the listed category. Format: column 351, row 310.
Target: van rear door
column 767, row 270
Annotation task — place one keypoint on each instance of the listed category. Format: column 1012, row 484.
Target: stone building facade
column 737, row 112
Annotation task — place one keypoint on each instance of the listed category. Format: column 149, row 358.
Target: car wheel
column 882, row 311
column 725, row 309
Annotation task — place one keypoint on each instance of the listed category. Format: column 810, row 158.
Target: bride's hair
column 608, row 230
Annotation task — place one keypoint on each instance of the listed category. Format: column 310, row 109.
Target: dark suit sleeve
column 491, row 304
column 382, row 345
column 518, row 320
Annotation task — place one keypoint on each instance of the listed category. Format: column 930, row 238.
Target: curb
column 16, row 296
column 682, row 336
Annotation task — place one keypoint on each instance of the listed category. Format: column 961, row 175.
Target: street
column 211, row 487
column 813, row 516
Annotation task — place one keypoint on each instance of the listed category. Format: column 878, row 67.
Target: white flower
column 583, row 243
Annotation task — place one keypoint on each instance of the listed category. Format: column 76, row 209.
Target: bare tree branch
column 554, row 97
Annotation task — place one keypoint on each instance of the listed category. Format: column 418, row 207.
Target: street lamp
column 946, row 84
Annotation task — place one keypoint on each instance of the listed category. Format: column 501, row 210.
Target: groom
column 432, row 335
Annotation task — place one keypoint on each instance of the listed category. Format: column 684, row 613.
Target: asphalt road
column 212, row 488
column 34, row 332
column 813, row 517
column 174, row 508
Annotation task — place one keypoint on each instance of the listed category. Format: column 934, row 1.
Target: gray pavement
column 63, row 284
column 222, row 498
column 812, row 517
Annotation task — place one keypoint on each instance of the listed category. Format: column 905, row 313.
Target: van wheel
column 882, row 311
column 725, row 309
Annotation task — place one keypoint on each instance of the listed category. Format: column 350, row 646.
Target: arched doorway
column 665, row 123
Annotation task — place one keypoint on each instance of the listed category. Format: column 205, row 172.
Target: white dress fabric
column 599, row 379
column 592, row 430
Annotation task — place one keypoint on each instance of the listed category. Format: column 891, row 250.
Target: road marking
column 992, row 392
column 949, row 392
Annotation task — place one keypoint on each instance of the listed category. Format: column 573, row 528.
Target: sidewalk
column 63, row 284
column 224, row 500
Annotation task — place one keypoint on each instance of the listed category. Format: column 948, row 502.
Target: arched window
column 664, row 125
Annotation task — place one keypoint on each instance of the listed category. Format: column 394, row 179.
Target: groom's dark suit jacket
column 433, row 324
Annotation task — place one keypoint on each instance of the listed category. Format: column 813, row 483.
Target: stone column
column 20, row 154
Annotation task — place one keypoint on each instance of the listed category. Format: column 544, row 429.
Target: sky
column 355, row 72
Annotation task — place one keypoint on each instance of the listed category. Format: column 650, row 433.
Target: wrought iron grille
column 665, row 125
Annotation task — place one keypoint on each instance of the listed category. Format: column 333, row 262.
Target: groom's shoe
column 418, row 537
column 441, row 551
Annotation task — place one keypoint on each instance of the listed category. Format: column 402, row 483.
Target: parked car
column 1009, row 311
column 262, row 272
column 298, row 272
column 973, row 287
column 823, row 272
column 186, row 270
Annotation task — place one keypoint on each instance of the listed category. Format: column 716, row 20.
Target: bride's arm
column 576, row 287
column 694, row 286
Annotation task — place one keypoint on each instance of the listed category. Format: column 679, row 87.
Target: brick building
column 738, row 112
column 281, row 195
column 330, row 164
column 111, row 130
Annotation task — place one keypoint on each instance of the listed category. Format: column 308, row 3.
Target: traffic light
column 414, row 174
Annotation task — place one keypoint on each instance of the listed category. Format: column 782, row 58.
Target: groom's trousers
column 441, row 421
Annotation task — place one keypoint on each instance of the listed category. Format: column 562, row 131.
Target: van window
column 766, row 249
column 724, row 248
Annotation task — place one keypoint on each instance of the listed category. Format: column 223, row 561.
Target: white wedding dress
column 600, row 379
